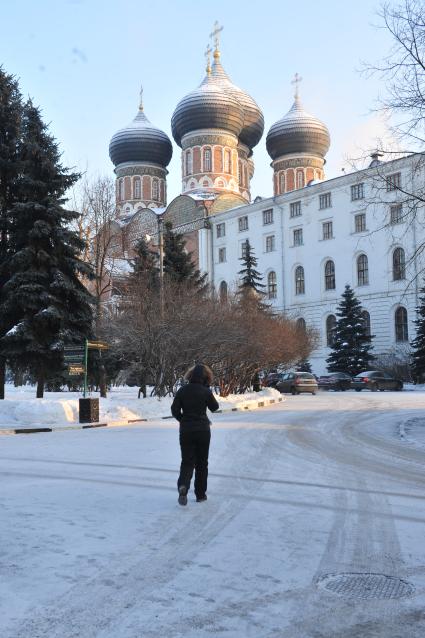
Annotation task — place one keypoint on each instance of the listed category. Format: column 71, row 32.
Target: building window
column 300, row 179
column 137, row 188
column 299, row 281
column 270, row 244
column 330, row 330
column 268, row 216
column 221, row 229
column 223, row 291
column 401, row 330
column 271, row 285
column 188, row 162
column 282, row 182
column 393, row 182
column 295, row 209
column 227, row 161
column 298, row 237
column 362, row 271
column 357, row 192
column 243, row 223
column 207, row 160
column 221, row 255
column 399, row 264
column 121, row 190
column 360, row 223
column 244, row 248
column 325, row 201
column 330, row 275
column 366, row 322
column 301, row 324
column 396, row 214
column 155, row 195
column 327, row 230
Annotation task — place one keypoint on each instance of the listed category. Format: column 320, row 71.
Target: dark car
column 272, row 379
column 337, row 381
column 296, row 382
column 375, row 380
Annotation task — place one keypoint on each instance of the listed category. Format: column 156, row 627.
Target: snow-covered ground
column 21, row 408
column 94, row 545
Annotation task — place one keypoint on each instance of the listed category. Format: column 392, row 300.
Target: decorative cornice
column 140, row 169
column 297, row 162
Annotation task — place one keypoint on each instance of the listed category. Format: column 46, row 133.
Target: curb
column 89, row 426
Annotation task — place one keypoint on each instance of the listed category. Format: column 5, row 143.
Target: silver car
column 297, row 382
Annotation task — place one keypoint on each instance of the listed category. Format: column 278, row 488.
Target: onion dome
column 253, row 121
column 208, row 107
column 140, row 141
column 298, row 132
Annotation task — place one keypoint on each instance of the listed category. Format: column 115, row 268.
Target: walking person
column 190, row 409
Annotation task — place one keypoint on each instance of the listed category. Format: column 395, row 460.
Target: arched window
column 299, row 281
column 401, row 330
column 137, row 188
column 330, row 275
column 282, row 182
column 399, row 264
column 300, row 179
column 223, row 291
column 330, row 330
column 121, row 190
column 188, row 158
column 301, row 325
column 362, row 270
column 272, row 285
column 227, row 161
column 155, row 189
column 366, row 322
column 207, row 160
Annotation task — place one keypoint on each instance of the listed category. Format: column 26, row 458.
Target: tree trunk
column 2, row 377
column 40, row 384
column 102, row 381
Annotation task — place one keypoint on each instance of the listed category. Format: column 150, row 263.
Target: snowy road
column 301, row 496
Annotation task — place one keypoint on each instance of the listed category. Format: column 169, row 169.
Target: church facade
column 311, row 237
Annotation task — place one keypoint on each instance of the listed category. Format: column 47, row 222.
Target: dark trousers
column 194, row 448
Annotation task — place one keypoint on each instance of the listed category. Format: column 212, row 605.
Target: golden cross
column 296, row 81
column 207, row 54
column 214, row 34
column 141, row 98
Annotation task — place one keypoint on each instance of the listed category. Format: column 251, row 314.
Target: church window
column 298, row 237
column 357, row 192
column 240, row 173
column 394, row 182
column 137, row 187
column 300, row 179
column 222, row 255
column 330, row 275
column 227, row 161
column 207, row 160
column 271, row 285
column 399, row 264
column 223, row 291
column 188, row 162
column 295, row 209
column 327, row 230
column 330, row 330
column 221, row 229
column 360, row 223
column 299, row 281
column 366, row 322
column 362, row 270
column 325, row 201
column 282, row 182
column 270, row 244
column 155, row 193
column 244, row 248
column 301, row 325
column 243, row 223
column 401, row 328
column 268, row 216
column 396, row 214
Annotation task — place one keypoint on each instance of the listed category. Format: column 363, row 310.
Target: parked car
column 272, row 379
column 296, row 382
column 335, row 381
column 376, row 380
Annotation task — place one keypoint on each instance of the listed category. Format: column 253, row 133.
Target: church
column 311, row 237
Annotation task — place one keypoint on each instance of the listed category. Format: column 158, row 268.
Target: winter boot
column 182, row 495
column 200, row 499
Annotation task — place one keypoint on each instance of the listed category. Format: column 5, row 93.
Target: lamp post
column 160, row 220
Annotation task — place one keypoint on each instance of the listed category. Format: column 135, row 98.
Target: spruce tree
column 178, row 264
column 251, row 288
column 351, row 343
column 44, row 293
column 304, row 366
column 10, row 131
column 144, row 265
column 418, row 344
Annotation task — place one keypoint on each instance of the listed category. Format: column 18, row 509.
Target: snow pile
column 21, row 409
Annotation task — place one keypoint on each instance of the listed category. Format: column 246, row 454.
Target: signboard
column 97, row 345
column 75, row 370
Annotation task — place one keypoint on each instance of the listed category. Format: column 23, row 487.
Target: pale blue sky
column 83, row 62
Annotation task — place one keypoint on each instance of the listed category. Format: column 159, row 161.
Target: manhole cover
column 366, row 586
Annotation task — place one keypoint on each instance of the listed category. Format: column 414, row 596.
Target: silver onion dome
column 140, row 141
column 253, row 122
column 207, row 107
column 298, row 132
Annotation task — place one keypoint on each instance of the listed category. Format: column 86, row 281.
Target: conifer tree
column 304, row 366
column 418, row 344
column 178, row 264
column 44, row 292
column 251, row 286
column 351, row 343
column 144, row 264
column 10, row 131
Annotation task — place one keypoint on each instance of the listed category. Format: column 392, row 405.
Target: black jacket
column 190, row 406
